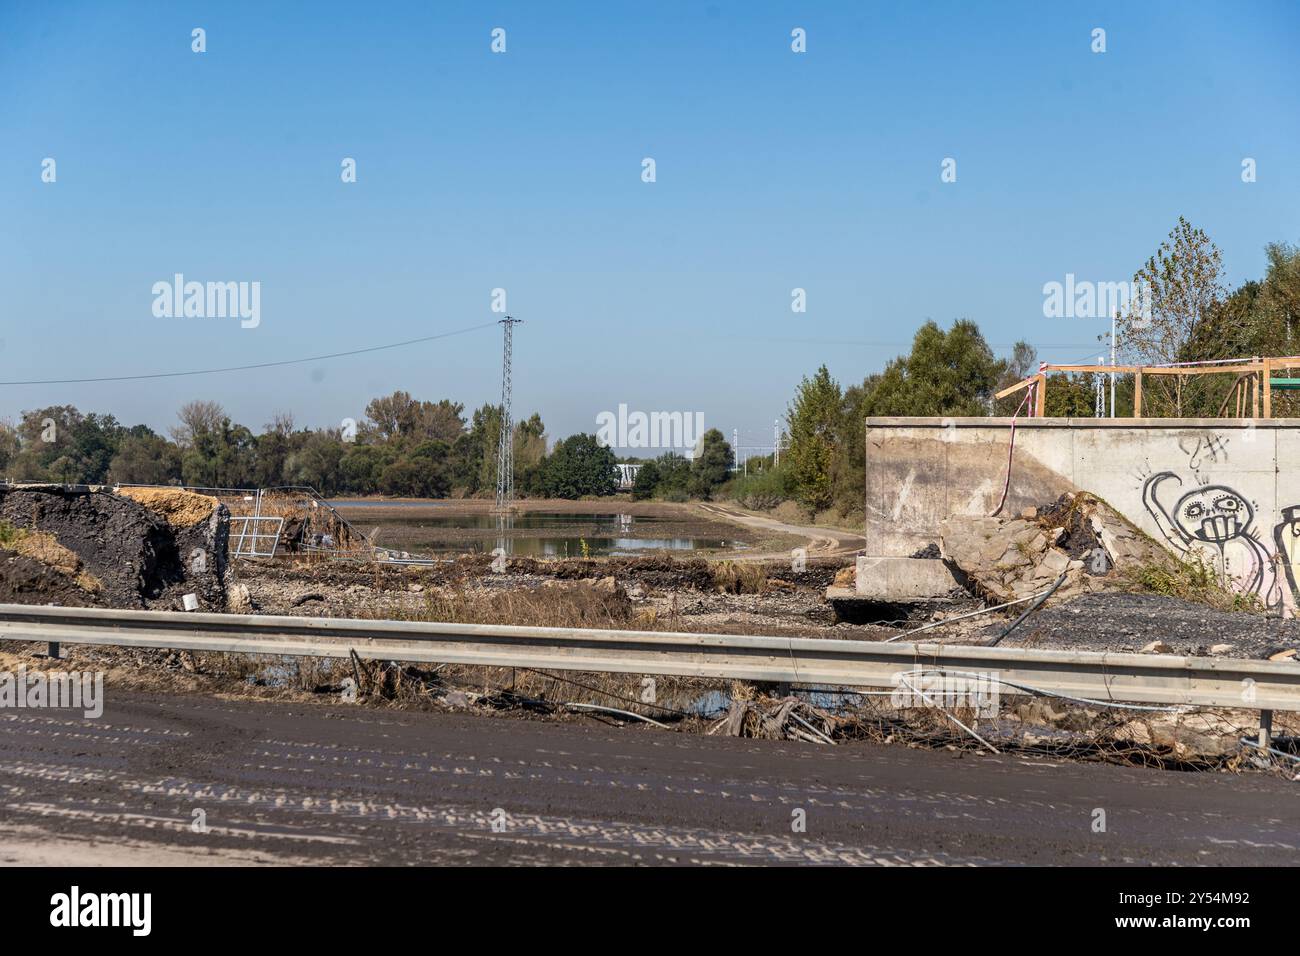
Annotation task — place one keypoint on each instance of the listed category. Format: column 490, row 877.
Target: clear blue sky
column 523, row 171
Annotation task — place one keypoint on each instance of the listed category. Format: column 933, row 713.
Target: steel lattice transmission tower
column 505, row 442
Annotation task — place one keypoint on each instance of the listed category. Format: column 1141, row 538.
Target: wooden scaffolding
column 1252, row 392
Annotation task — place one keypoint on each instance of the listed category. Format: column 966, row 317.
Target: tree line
column 404, row 447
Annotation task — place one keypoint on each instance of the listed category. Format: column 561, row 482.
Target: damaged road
column 284, row 783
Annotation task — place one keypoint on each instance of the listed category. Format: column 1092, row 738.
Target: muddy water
column 535, row 534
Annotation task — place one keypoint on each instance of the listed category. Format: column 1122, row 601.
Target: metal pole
column 1112, row 364
column 1265, row 727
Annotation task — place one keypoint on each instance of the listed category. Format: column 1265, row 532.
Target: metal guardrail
column 1119, row 677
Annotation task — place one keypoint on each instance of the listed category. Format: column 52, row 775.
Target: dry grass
column 740, row 577
column 44, row 548
column 558, row 604
column 1190, row 580
column 181, row 508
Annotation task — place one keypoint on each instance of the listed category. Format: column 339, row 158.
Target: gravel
column 1128, row 622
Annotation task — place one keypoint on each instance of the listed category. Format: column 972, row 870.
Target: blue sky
column 522, row 170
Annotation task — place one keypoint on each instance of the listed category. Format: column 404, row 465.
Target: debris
column 302, row 599
column 1286, row 655
column 616, row 711
column 1220, row 648
column 1157, row 647
column 240, row 601
column 1079, row 536
column 781, row 719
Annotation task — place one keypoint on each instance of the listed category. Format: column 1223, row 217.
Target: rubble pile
column 90, row 546
column 1079, row 536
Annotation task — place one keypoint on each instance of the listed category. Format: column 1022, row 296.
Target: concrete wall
column 1226, row 488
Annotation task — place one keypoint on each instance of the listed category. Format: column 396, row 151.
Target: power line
column 243, row 368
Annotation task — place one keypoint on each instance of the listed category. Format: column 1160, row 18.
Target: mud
column 139, row 558
column 340, row 784
column 25, row 581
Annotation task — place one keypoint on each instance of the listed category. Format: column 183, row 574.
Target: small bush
column 9, row 535
column 762, row 491
column 1191, row 579
column 739, row 577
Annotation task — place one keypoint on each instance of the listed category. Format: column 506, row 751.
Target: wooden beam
column 1015, row 388
column 1042, row 396
column 1268, row 388
column 1137, row 394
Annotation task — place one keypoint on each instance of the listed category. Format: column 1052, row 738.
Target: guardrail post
column 54, row 651
column 1265, row 728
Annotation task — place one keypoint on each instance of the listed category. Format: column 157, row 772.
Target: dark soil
column 25, row 581
column 137, row 556
column 1070, row 512
column 1116, row 621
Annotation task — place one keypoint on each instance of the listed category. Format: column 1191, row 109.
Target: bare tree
column 281, row 424
column 196, row 417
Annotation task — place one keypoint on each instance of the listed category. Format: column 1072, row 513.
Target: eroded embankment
column 89, row 546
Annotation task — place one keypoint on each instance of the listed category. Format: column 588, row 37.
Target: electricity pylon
column 505, row 442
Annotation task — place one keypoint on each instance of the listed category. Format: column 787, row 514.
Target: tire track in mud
column 299, row 782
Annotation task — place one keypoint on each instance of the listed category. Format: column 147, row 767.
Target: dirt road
column 199, row 780
column 822, row 542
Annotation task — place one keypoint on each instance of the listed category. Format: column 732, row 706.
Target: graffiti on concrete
column 1200, row 448
column 1287, row 538
column 1217, row 519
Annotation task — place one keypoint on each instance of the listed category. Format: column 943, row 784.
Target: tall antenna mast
column 505, row 442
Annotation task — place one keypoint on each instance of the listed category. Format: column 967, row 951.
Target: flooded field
column 542, row 529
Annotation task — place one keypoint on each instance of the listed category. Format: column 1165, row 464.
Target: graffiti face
column 1214, row 514
column 1224, row 519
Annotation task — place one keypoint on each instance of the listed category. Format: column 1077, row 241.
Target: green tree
column 674, row 479
column 848, row 468
column 647, row 479
column 145, row 459
column 361, row 467
column 813, row 420
column 713, row 464
column 579, row 466
column 947, row 373
column 1178, row 289
column 317, row 463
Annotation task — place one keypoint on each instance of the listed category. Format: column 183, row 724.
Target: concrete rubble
column 1007, row 559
